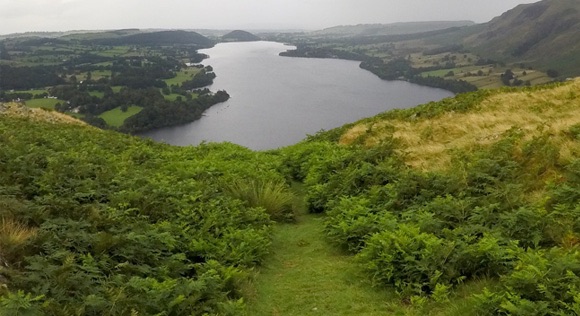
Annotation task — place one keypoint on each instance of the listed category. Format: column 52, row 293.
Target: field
column 97, row 94
column 182, row 76
column 174, row 96
column 116, row 117
column 43, row 103
column 489, row 76
column 32, row 91
column 116, row 89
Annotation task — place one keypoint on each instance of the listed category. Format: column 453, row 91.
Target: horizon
column 31, row 16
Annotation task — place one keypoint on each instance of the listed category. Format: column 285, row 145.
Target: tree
column 552, row 73
column 506, row 77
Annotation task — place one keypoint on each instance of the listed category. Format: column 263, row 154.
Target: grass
column 428, row 143
column 32, row 91
column 182, row 76
column 306, row 276
column 116, row 89
column 174, row 96
column 116, row 117
column 43, row 103
column 114, row 52
column 95, row 74
column 38, row 114
column 274, row 197
column 13, row 234
column 97, row 94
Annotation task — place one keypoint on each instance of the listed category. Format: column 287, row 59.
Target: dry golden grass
column 12, row 235
column 18, row 110
column 428, row 143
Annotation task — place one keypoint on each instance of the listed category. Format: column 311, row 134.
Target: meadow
column 116, row 117
column 43, row 103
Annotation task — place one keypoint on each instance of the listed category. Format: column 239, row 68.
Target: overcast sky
column 62, row 15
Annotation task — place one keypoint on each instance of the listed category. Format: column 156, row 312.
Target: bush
column 411, row 261
column 352, row 220
column 542, row 283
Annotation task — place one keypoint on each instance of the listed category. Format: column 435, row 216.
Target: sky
column 63, row 15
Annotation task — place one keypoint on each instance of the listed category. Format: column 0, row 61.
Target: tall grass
column 274, row 197
column 13, row 234
column 429, row 143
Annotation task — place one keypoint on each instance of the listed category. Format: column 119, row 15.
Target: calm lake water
column 277, row 101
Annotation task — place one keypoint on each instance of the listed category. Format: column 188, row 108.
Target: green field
column 43, row 103
column 115, row 51
column 96, row 74
column 116, row 89
column 174, row 96
column 182, row 76
column 116, row 117
column 32, row 91
column 97, row 94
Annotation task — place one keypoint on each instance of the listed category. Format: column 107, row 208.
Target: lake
column 277, row 101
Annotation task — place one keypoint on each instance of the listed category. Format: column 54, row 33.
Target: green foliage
column 20, row 304
column 124, row 226
column 351, row 221
column 412, row 261
column 274, row 197
column 424, row 233
column 543, row 282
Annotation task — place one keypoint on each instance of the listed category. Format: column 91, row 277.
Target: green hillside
column 240, row 36
column 388, row 29
column 467, row 206
column 544, row 33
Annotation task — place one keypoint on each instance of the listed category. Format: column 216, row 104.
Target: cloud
column 53, row 15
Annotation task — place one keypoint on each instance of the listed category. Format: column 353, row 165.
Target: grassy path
column 306, row 276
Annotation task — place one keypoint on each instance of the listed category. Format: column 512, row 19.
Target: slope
column 388, row 29
column 545, row 33
column 94, row 222
column 474, row 197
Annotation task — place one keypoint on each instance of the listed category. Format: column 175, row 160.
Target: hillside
column 388, row 29
column 158, row 39
column 545, row 33
column 240, row 36
column 467, row 206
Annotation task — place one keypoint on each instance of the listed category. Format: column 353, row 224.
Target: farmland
column 95, row 74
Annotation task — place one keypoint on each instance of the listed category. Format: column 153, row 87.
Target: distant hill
column 159, row 38
column 545, row 33
column 388, row 29
column 240, row 36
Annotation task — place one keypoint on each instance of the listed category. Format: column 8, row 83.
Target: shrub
column 352, row 220
column 411, row 261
